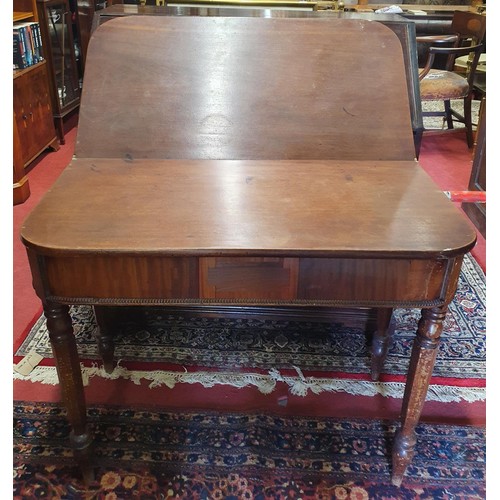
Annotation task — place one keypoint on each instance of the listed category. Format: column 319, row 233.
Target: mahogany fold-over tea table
column 189, row 188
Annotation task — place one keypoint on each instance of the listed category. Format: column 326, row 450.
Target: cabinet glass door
column 59, row 26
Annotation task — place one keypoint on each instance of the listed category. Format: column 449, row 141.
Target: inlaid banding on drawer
column 248, row 278
column 371, row 279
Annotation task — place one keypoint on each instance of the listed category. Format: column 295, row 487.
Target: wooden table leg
column 65, row 352
column 381, row 340
column 422, row 361
column 104, row 336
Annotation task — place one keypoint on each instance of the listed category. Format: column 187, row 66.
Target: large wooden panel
column 403, row 28
column 297, row 95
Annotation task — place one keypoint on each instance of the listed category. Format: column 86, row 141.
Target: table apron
column 125, row 279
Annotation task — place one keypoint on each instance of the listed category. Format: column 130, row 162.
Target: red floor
column 447, row 160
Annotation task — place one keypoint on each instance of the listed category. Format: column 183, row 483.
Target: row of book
column 27, row 44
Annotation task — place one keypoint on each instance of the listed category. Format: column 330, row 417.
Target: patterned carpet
column 140, row 453
column 437, row 123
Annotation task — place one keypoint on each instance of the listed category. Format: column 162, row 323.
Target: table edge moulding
column 247, row 166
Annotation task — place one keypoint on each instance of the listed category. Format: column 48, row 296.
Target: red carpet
column 445, row 158
column 448, row 161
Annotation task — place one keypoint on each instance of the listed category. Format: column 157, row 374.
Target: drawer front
column 248, row 278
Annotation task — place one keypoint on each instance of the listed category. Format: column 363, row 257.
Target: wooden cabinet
column 33, row 112
column 59, row 49
column 33, row 126
column 21, row 184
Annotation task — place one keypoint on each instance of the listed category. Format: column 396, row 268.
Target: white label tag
column 28, row 363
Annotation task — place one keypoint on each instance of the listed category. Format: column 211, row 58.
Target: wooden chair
column 444, row 85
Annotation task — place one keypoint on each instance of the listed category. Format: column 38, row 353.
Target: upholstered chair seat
column 440, row 85
column 447, row 85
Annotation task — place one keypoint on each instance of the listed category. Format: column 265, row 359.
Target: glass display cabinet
column 60, row 52
column 83, row 15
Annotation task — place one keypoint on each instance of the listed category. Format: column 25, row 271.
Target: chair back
column 470, row 29
column 472, row 63
column 469, row 25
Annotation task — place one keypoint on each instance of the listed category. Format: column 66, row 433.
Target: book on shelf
column 27, row 44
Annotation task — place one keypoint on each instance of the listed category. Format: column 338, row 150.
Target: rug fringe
column 266, row 383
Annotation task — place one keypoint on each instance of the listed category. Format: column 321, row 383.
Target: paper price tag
column 28, row 363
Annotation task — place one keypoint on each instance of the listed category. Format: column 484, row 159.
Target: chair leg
column 448, row 116
column 468, row 120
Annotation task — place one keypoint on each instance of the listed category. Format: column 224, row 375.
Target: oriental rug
column 143, row 453
column 167, row 349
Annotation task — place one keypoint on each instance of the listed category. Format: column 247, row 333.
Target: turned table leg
column 104, row 336
column 381, row 340
column 422, row 361
column 69, row 373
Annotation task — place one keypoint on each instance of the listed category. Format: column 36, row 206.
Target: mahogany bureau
column 246, row 162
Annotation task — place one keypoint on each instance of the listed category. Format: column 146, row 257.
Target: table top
column 245, row 88
column 247, row 207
